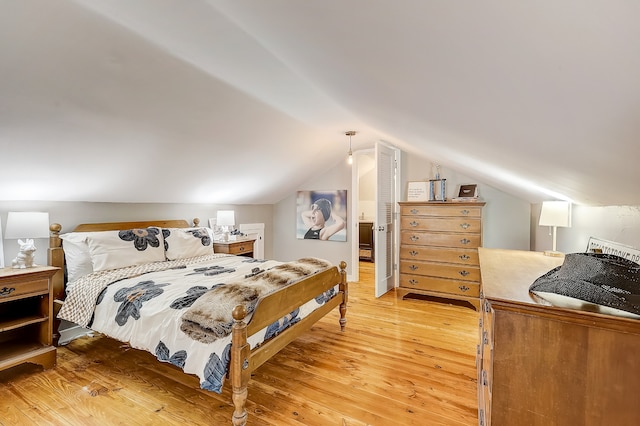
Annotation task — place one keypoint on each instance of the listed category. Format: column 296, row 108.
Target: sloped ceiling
column 242, row 101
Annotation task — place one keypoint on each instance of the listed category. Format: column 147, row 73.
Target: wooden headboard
column 56, row 253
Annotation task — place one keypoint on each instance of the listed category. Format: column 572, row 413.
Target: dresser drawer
column 16, row 290
column 443, row 285
column 449, row 224
column 440, row 239
column 439, row 210
column 458, row 272
column 439, row 254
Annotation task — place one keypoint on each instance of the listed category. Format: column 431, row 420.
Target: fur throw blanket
column 209, row 318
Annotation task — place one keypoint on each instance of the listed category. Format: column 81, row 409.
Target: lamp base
column 553, row 253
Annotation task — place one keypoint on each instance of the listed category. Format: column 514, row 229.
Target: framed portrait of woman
column 321, row 215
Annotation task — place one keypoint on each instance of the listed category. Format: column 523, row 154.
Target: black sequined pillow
column 596, row 282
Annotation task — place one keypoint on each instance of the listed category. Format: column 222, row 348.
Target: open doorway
column 375, row 187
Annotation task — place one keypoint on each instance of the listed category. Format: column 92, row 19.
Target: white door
column 384, row 222
column 257, row 230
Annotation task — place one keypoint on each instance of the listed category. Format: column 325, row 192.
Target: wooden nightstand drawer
column 10, row 291
column 239, row 248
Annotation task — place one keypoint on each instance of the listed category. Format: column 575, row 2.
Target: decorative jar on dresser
column 439, row 249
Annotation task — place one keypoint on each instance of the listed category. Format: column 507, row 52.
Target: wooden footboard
column 272, row 307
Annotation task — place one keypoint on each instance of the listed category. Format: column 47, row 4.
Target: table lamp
column 554, row 214
column 226, row 219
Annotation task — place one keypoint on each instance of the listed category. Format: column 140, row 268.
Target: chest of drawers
column 439, row 250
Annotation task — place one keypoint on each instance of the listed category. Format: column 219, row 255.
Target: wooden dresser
column 439, row 249
column 26, row 317
column 543, row 365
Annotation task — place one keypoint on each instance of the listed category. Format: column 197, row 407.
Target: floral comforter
column 145, row 310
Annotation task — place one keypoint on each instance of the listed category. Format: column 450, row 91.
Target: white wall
column 70, row 214
column 288, row 247
column 614, row 223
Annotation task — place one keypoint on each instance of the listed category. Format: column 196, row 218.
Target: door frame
column 354, row 209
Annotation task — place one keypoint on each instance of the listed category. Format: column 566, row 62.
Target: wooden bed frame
column 271, row 308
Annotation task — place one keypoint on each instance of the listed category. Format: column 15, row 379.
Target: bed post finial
column 196, row 221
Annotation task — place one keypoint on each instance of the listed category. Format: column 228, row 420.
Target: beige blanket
column 209, row 318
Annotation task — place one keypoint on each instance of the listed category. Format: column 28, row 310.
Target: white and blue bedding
column 143, row 306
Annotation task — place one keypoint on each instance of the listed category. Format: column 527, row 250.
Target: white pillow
column 119, row 249
column 76, row 254
column 181, row 243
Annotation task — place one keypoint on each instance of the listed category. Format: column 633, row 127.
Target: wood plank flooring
column 400, row 362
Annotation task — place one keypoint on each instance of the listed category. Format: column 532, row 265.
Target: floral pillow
column 181, row 243
column 118, row 249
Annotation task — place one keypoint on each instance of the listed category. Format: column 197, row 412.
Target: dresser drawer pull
column 463, row 288
column 414, row 223
column 465, row 225
column 465, row 212
column 464, row 257
column 413, row 267
column 414, row 238
column 7, row 291
column 464, row 273
column 414, row 211
column 465, row 241
column 485, row 338
column 241, row 248
column 484, row 378
column 413, row 282
column 413, row 253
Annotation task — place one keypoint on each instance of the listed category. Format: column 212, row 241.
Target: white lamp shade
column 226, row 218
column 555, row 213
column 27, row 225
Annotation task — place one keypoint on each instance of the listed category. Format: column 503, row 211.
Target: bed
column 158, row 286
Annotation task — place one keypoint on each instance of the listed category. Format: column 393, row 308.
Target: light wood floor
column 400, row 362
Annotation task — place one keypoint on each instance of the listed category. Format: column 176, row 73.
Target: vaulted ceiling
column 228, row 101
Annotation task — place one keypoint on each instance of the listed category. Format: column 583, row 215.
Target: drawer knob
column 414, row 238
column 463, row 288
column 7, row 291
column 465, row 225
column 413, row 282
column 414, row 211
column 465, row 241
column 413, row 267
column 464, row 257
column 413, row 253
column 464, row 273
column 465, row 212
column 413, row 223
column 241, row 248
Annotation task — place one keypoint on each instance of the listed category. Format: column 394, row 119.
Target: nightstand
column 26, row 317
column 242, row 247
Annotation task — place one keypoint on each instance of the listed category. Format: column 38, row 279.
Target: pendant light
column 350, row 133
